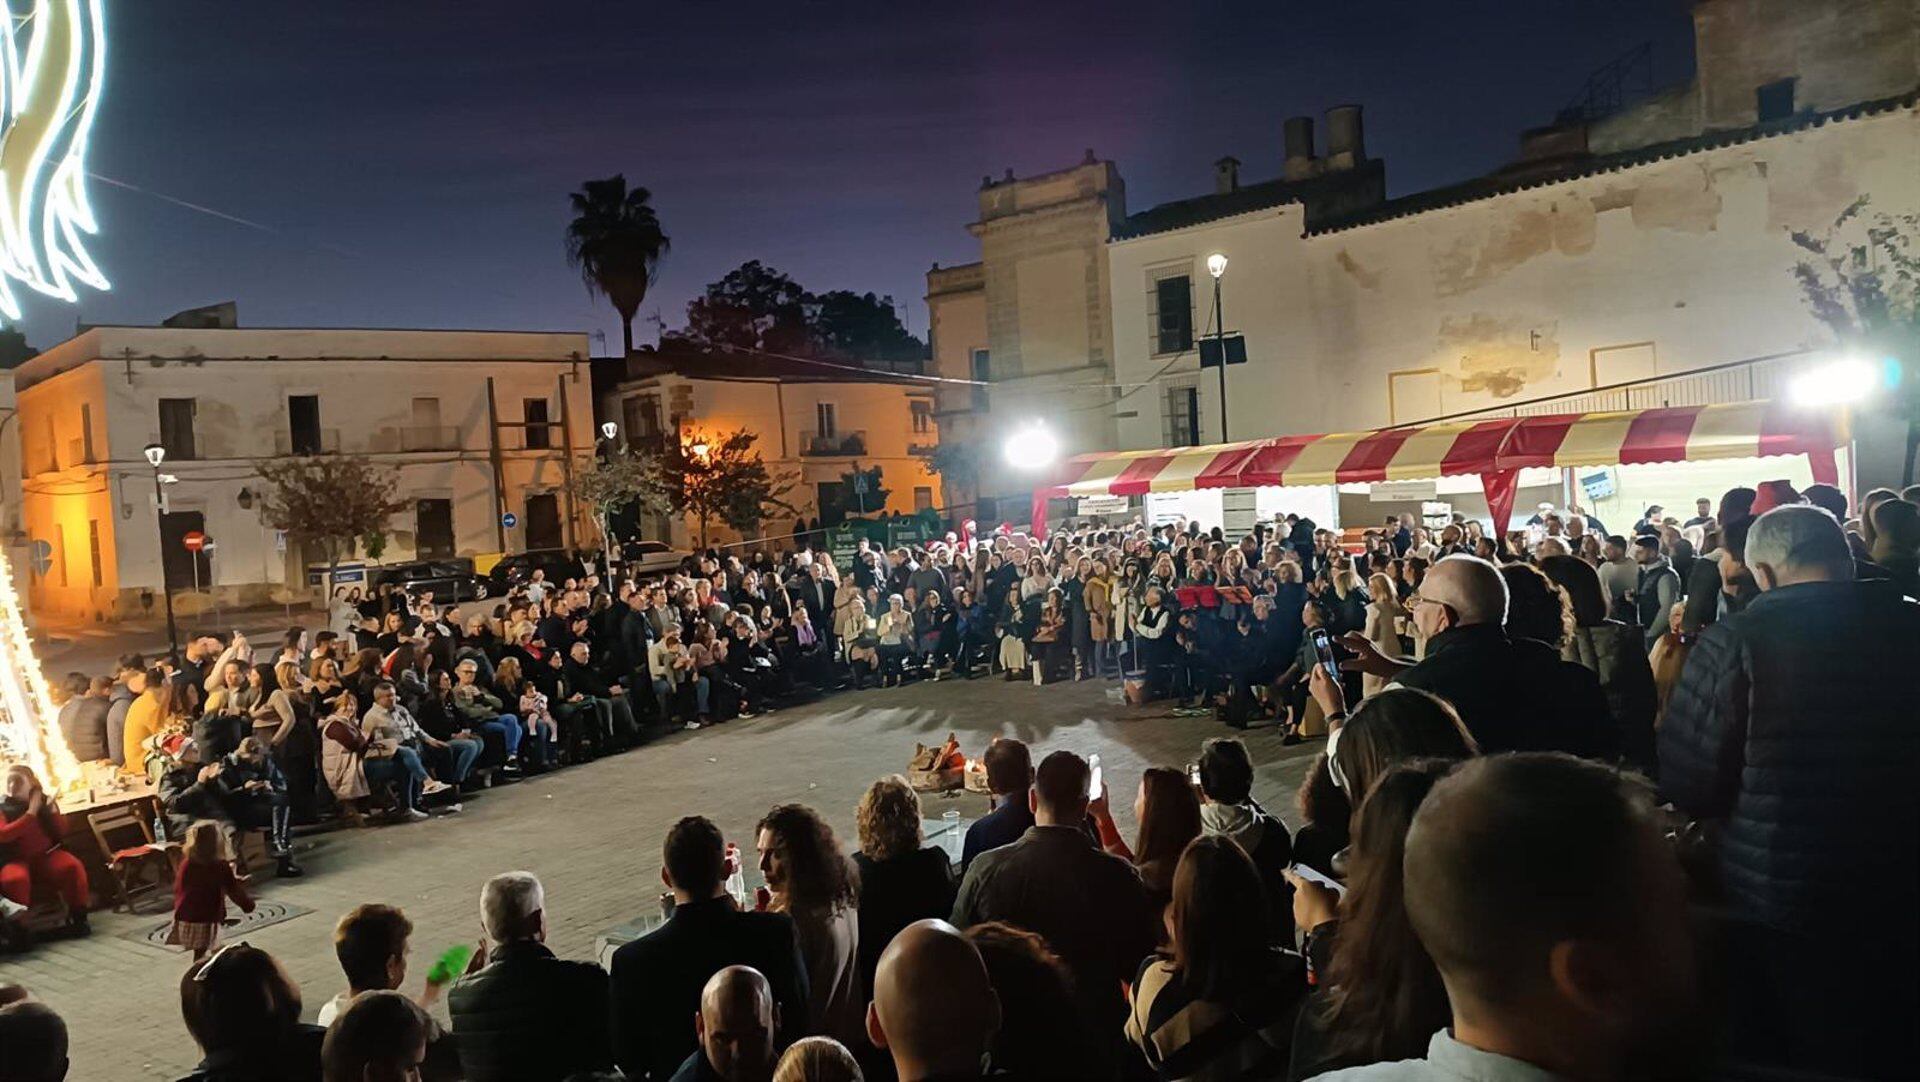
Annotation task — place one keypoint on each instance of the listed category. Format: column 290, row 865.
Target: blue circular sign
column 509, row 520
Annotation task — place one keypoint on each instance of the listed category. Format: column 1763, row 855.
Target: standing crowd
column 1585, row 806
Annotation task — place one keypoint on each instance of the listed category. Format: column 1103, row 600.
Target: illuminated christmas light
column 52, row 70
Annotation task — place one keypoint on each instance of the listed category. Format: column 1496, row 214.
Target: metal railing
column 837, row 444
column 1747, row 380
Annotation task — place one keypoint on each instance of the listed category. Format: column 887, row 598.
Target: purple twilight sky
column 406, row 163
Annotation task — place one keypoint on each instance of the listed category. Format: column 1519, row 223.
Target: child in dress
column 201, row 890
column 539, row 719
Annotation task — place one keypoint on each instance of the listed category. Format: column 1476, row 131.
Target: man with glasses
column 1513, row 694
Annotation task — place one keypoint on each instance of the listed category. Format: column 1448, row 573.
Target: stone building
column 220, row 398
column 817, row 422
column 1650, row 245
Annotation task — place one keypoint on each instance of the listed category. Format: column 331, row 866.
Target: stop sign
column 194, row 540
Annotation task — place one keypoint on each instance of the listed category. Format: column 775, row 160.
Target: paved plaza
column 593, row 835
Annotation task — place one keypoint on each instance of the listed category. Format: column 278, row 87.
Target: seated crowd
column 1528, row 851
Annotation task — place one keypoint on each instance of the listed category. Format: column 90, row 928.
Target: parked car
column 651, row 557
column 448, row 580
column 516, row 568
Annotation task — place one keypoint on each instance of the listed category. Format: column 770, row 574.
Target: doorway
column 432, row 529
column 181, row 565
column 543, row 521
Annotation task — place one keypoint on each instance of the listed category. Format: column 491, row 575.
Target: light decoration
column 28, row 732
column 52, row 69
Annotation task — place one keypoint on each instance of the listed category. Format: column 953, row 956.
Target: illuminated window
column 922, row 416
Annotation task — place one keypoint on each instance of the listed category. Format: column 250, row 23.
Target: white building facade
column 1651, row 247
column 221, row 399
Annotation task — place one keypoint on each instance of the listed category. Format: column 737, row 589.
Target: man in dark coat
column 1793, row 727
column 1513, row 694
column 657, row 978
column 1090, row 906
column 1009, row 778
column 527, row 1016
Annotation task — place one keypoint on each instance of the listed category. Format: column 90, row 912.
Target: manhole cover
column 265, row 913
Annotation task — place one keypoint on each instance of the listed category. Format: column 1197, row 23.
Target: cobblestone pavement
column 593, row 835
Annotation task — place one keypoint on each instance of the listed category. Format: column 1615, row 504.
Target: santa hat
column 1772, row 494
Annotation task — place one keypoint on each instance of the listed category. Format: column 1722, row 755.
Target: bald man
column 736, row 1025
column 1513, row 694
column 934, row 1010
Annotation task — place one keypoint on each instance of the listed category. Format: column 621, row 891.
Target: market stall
column 1494, row 451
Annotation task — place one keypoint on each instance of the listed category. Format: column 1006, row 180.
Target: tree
column 331, row 502
column 863, row 328
column 615, row 242
column 618, row 481
column 722, row 479
column 874, row 498
column 1861, row 279
column 753, row 307
column 958, row 465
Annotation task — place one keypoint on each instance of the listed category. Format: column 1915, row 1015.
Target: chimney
column 1345, row 146
column 1300, row 163
column 1226, row 175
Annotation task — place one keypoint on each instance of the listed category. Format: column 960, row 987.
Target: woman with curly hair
column 901, row 878
column 811, row 882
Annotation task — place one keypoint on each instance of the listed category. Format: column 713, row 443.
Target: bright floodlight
column 156, row 454
column 609, row 430
column 1216, row 264
column 1032, row 447
column 1837, row 383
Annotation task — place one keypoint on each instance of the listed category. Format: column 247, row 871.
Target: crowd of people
column 1586, row 808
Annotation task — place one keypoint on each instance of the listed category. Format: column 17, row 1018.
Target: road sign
column 42, row 556
column 509, row 520
column 194, row 540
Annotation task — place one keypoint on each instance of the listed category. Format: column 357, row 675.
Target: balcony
column 322, row 441
column 429, row 438
column 835, row 445
column 924, row 450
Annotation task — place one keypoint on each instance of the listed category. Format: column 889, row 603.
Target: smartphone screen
column 1323, row 648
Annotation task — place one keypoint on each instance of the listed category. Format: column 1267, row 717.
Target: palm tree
column 615, row 242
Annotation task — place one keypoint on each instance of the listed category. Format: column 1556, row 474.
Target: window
column 1775, row 100
column 176, row 428
column 982, row 373
column 543, row 521
column 432, row 529
column 534, row 412
column 86, row 435
column 1183, row 417
column 1173, row 314
column 93, row 549
column 922, row 498
column 52, row 459
column 823, row 415
column 60, row 553
column 303, row 424
column 642, row 415
column 922, row 416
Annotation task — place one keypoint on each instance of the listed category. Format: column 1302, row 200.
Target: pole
column 566, row 462
column 493, row 456
column 1220, row 344
column 166, row 580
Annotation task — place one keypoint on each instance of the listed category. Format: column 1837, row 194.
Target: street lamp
column 1217, row 266
column 608, row 430
column 157, row 454
column 700, row 450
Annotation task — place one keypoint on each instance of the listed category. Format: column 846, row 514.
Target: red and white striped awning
column 1454, row 448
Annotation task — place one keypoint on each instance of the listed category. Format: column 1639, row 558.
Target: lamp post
column 1217, row 266
column 608, row 430
column 157, row 454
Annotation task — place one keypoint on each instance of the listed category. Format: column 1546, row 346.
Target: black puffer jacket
column 1795, row 722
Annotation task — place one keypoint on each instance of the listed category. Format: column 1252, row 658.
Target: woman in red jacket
column 31, row 827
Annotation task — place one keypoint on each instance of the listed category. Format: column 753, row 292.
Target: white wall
column 1652, row 270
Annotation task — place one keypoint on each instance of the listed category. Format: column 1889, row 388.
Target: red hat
column 1772, row 494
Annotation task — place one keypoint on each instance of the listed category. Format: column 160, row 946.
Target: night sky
column 409, row 161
